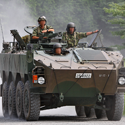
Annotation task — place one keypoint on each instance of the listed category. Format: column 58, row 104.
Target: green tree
column 117, row 17
column 59, row 13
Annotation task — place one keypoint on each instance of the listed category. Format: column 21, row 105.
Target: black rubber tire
column 100, row 114
column 80, row 111
column 11, row 100
column 19, row 99
column 116, row 105
column 31, row 104
column 5, row 99
column 89, row 112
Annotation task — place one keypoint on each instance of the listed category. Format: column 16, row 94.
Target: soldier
column 57, row 50
column 42, row 28
column 26, row 38
column 73, row 37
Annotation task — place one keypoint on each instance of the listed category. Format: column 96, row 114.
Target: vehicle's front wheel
column 31, row 104
column 80, row 110
column 116, row 105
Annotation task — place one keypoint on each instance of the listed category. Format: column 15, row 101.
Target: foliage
column 59, row 13
column 117, row 15
column 120, row 47
column 88, row 15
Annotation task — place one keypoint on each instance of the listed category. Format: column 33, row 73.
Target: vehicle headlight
column 41, row 80
column 121, row 80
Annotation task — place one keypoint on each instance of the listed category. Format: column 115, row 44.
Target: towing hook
column 99, row 97
column 61, row 97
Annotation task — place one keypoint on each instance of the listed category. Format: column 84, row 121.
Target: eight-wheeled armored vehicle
column 34, row 78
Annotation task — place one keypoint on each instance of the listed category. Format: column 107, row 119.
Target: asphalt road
column 60, row 116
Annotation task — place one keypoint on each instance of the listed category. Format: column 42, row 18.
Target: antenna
column 2, row 31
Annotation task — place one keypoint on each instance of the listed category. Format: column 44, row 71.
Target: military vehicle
column 35, row 78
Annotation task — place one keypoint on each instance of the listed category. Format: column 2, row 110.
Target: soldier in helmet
column 73, row 37
column 42, row 28
column 57, row 50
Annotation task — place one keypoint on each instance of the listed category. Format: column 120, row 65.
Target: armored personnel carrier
column 36, row 78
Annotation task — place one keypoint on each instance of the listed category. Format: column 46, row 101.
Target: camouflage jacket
column 26, row 38
column 38, row 30
column 73, row 39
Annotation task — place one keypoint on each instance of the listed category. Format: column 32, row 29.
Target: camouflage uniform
column 26, row 38
column 38, row 30
column 73, row 39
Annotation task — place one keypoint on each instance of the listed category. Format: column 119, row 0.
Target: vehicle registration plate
column 83, row 75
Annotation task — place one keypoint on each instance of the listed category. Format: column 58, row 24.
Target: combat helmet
column 70, row 25
column 42, row 18
column 57, row 48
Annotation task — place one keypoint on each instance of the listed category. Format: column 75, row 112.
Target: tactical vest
column 75, row 39
column 39, row 30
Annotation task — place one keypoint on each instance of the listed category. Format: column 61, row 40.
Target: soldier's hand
column 96, row 31
column 89, row 33
column 44, row 31
column 44, row 37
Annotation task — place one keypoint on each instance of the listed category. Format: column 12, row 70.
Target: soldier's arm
column 81, row 35
column 34, row 34
column 35, row 37
column 50, row 28
column 89, row 33
column 64, row 37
